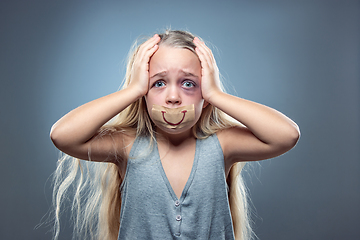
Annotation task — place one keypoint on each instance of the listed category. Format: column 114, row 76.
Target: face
column 175, row 77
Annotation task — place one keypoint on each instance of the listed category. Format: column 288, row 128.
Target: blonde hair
column 96, row 204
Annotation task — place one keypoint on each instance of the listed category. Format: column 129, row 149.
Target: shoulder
column 210, row 142
column 129, row 140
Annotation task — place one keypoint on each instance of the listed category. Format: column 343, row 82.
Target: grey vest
column 150, row 208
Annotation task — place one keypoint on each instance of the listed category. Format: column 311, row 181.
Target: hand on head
column 210, row 80
column 140, row 67
column 210, row 83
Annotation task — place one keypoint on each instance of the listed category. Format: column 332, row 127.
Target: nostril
column 173, row 102
column 173, row 97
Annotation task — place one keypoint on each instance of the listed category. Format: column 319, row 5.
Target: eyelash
column 183, row 83
column 188, row 81
column 160, row 81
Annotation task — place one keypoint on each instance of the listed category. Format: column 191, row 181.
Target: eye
column 188, row 84
column 159, row 83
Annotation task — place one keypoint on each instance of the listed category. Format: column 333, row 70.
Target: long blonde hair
column 96, row 203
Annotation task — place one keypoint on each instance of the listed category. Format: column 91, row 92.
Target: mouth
column 174, row 124
column 173, row 118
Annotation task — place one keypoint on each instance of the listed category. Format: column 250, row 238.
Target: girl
column 171, row 153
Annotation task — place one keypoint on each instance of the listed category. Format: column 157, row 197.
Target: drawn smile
column 174, row 124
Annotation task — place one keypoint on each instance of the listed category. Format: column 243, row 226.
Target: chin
column 173, row 131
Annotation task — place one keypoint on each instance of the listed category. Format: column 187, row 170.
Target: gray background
column 300, row 57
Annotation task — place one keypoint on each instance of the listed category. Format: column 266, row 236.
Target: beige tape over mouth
column 173, row 118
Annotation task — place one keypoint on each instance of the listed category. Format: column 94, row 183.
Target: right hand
column 140, row 69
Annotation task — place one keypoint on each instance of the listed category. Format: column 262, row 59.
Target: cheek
column 150, row 100
column 199, row 108
column 148, row 105
column 153, row 97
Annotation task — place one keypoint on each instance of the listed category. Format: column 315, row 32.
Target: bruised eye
column 159, row 84
column 188, row 84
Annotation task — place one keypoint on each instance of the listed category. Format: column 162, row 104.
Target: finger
column 202, row 45
column 149, row 44
column 147, row 49
column 205, row 60
column 150, row 52
column 205, row 50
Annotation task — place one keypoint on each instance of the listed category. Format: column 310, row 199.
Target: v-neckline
column 189, row 180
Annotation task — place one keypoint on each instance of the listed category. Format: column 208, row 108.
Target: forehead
column 170, row 58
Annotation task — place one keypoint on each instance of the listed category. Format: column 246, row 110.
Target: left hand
column 210, row 79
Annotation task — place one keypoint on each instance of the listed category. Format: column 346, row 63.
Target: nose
column 173, row 96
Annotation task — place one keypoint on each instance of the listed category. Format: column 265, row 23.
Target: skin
column 174, row 77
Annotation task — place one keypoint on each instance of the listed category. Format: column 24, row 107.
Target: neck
column 176, row 139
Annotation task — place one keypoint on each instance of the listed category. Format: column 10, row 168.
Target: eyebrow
column 160, row 74
column 189, row 74
column 163, row 74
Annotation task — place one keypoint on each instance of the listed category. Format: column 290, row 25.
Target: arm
column 76, row 131
column 268, row 133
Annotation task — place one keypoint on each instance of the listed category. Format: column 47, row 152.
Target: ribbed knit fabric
column 150, row 208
